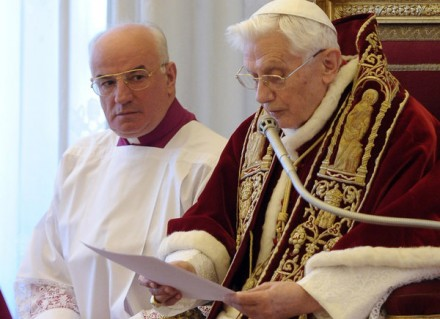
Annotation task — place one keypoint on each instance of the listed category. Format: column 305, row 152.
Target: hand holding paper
column 163, row 273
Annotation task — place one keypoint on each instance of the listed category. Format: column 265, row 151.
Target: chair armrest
column 415, row 299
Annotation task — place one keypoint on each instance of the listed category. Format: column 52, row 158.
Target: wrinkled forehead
column 272, row 47
column 121, row 50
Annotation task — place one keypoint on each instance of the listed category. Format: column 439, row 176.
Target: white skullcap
column 300, row 8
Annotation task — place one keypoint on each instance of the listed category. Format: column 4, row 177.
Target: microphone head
column 266, row 122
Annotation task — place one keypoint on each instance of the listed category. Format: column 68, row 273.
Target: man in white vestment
column 118, row 188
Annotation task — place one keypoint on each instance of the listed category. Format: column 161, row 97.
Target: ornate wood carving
column 398, row 20
column 410, row 32
column 427, row 11
column 401, row 20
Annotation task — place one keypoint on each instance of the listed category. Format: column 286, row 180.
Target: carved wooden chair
column 4, row 310
column 410, row 34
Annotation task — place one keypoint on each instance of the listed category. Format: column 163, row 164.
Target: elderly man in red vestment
column 358, row 142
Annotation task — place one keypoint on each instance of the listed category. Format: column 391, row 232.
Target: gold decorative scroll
column 403, row 11
column 404, row 20
column 410, row 32
column 431, row 67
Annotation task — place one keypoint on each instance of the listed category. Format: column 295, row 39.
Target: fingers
column 184, row 265
column 169, row 300
column 241, row 300
column 143, row 281
column 151, row 285
column 164, row 299
column 243, row 304
column 274, row 300
column 163, row 295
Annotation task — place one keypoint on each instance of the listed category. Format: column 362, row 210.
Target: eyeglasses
column 136, row 80
column 272, row 81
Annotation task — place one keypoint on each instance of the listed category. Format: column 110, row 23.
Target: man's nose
column 122, row 92
column 264, row 93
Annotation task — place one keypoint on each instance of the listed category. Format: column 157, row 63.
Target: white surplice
column 117, row 198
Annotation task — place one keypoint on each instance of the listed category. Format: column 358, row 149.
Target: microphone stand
column 269, row 128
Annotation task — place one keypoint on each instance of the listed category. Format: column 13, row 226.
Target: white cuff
column 201, row 241
column 204, row 268
column 57, row 313
column 354, row 283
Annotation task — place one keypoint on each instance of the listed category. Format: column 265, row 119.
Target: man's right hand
column 166, row 295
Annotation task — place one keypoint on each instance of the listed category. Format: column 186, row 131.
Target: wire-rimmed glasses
column 272, row 81
column 135, row 79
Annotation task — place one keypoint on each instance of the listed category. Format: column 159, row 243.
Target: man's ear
column 171, row 73
column 331, row 60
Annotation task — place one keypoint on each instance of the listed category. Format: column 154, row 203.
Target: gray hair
column 306, row 36
column 161, row 41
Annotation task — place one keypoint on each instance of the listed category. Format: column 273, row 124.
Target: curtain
column 47, row 103
column 206, row 65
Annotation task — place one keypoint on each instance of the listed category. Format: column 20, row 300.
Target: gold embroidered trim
column 283, row 217
column 403, row 11
column 341, row 183
column 414, row 67
column 256, row 160
column 409, row 32
column 396, row 9
column 342, row 186
column 352, row 166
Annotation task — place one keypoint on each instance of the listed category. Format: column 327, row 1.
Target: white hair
column 306, row 36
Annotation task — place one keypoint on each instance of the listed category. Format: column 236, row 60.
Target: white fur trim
column 199, row 240
column 377, row 257
column 273, row 209
column 295, row 138
column 359, row 292
column 354, row 283
column 203, row 266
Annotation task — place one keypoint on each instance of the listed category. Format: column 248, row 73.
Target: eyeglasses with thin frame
column 135, row 79
column 272, row 81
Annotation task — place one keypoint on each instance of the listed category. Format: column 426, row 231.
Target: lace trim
column 34, row 296
column 195, row 313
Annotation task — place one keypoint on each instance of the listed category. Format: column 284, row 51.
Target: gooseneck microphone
column 268, row 126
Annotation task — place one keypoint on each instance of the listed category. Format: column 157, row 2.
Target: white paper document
column 163, row 273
